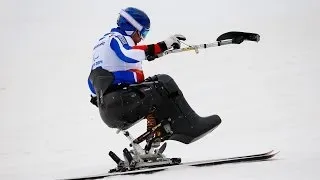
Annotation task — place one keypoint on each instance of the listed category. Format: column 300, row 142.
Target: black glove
column 151, row 57
column 94, row 101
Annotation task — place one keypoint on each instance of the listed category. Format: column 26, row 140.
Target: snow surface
column 266, row 93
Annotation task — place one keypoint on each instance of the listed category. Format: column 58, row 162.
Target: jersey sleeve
column 152, row 49
column 125, row 52
column 134, row 54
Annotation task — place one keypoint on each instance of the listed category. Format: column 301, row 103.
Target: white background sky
column 266, row 93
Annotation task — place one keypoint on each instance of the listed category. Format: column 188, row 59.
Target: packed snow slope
column 266, row 93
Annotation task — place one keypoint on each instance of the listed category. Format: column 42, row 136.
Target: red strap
column 142, row 47
column 157, row 48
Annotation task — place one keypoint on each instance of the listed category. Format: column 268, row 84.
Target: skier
column 124, row 96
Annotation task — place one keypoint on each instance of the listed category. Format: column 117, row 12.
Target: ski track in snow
column 266, row 93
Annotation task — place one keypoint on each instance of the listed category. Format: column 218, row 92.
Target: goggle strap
column 131, row 20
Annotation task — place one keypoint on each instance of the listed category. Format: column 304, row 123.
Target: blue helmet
column 132, row 19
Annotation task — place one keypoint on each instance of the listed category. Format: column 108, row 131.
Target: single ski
column 148, row 170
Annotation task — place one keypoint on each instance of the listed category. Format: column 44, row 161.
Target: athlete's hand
column 174, row 41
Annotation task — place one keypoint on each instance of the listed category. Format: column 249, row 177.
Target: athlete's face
column 136, row 37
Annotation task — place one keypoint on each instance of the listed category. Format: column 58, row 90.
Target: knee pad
column 169, row 84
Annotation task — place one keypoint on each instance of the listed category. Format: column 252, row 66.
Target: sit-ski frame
column 138, row 157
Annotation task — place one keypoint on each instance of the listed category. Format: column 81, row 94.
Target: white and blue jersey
column 118, row 53
column 115, row 53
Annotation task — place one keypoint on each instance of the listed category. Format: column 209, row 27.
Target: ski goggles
column 143, row 33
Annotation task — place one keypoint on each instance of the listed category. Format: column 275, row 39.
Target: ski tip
column 271, row 155
column 270, row 152
column 273, row 152
column 276, row 152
